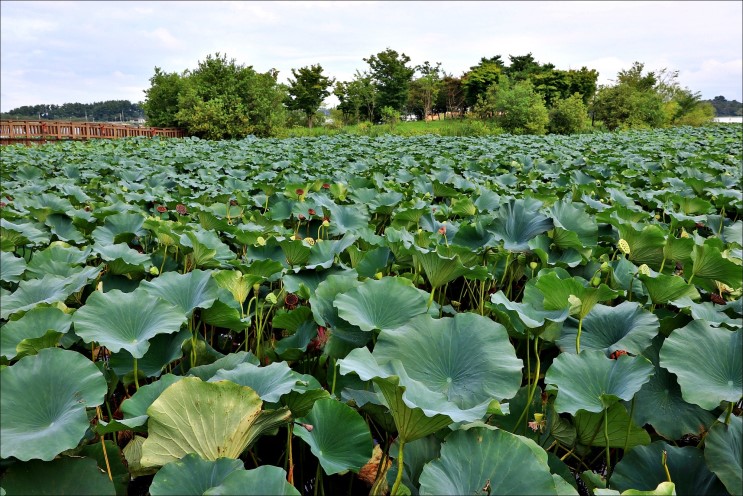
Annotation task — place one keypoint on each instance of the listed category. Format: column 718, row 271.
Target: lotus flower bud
column 378, row 275
column 595, row 281
column 325, row 223
column 261, row 241
column 154, row 270
column 533, row 265
column 271, row 298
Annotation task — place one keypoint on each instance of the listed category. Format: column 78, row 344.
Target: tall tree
column 427, row 87
column 307, row 90
column 633, row 102
column 391, row 77
column 480, row 77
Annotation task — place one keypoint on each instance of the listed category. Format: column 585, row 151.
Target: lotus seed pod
column 271, row 298
column 623, row 246
column 533, row 265
column 261, row 241
column 644, row 269
column 310, row 241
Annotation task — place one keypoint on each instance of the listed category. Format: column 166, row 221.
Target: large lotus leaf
column 660, row 404
column 707, row 362
column 113, row 458
column 664, row 288
column 60, row 252
column 63, row 476
column 518, row 221
column 119, row 228
column 197, row 289
column 265, row 480
column 62, row 227
column 43, row 402
column 123, row 260
column 441, row 269
column 708, row 263
column 34, row 324
column 192, row 475
column 339, row 438
column 467, row 358
column 208, row 248
column 626, row 326
column 589, row 428
column 163, row 349
column 11, row 267
column 733, row 233
column 557, row 293
column 591, row 381
column 712, row 313
column 212, row 419
column 526, row 313
column 225, row 312
column 723, row 451
column 642, row 469
column 126, row 320
column 270, row 382
column 228, row 362
column 380, row 304
column 646, row 246
column 25, row 232
column 49, row 289
column 574, row 228
column 479, row 457
column 345, row 218
column 550, row 254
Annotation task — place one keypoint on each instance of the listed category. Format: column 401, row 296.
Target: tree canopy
column 307, row 90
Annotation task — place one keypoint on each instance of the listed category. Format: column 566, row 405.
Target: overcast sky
column 58, row 52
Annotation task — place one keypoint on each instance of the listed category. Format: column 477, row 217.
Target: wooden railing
column 60, row 130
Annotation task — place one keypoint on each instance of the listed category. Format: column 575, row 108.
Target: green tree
column 391, row 77
column 517, row 108
column 569, row 115
column 307, row 90
column 357, row 97
column 429, row 86
column 633, row 102
column 451, row 96
column 480, row 77
column 219, row 99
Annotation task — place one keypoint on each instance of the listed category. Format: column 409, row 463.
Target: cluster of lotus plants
column 348, row 315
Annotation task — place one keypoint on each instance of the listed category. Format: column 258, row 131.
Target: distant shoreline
column 730, row 119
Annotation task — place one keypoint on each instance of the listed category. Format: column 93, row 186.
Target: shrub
column 568, row 116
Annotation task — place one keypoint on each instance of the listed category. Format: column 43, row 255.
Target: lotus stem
column 103, row 445
column 430, row 298
column 729, row 412
column 577, row 337
column 290, row 472
column 400, row 463
column 629, row 425
column 606, row 439
column 505, row 269
column 165, row 254
column 532, row 387
column 136, row 375
column 318, row 480
column 664, row 462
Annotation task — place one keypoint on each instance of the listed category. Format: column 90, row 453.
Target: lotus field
column 348, row 315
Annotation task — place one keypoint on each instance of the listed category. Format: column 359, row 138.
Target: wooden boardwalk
column 44, row 131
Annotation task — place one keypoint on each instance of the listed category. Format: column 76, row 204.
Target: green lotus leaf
column 642, row 469
column 468, row 358
column 733, row 233
column 340, row 438
column 322, row 255
column 550, row 254
column 296, row 253
column 228, row 362
column 723, row 452
column 380, row 304
column 291, row 320
column 646, row 246
column 441, row 269
column 310, row 279
column 475, row 237
column 707, row 362
column 557, row 293
column 34, row 324
column 23, row 233
column 526, row 313
column 32, row 346
column 304, row 395
column 123, row 260
column 678, row 250
column 135, row 408
column 197, row 289
column 591, row 381
column 346, row 218
column 261, row 481
column 212, row 419
column 163, row 349
column 11, row 267
column 114, row 457
column 660, row 404
column 417, row 454
column 589, row 428
column 626, row 326
column 133, row 455
column 119, row 228
column 663, row 288
column 712, row 313
column 225, row 312
column 518, row 221
column 192, row 475
column 372, row 261
column 49, row 289
column 62, row 227
column 708, row 263
column 344, row 337
column 270, row 382
column 126, row 320
column 238, row 284
column 574, row 228
column 42, row 408
column 504, row 460
column 62, row 476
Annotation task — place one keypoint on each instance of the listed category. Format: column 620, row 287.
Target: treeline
column 108, row 111
column 726, row 108
column 223, row 99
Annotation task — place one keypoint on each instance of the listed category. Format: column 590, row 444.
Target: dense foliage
column 110, row 110
column 502, row 315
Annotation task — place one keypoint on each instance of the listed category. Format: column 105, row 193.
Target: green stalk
column 577, row 337
column 606, row 439
column 165, row 254
column 664, row 461
column 729, row 413
column 533, row 388
column 335, row 369
column 398, row 479
column 136, row 375
column 629, row 425
column 505, row 269
column 430, row 298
